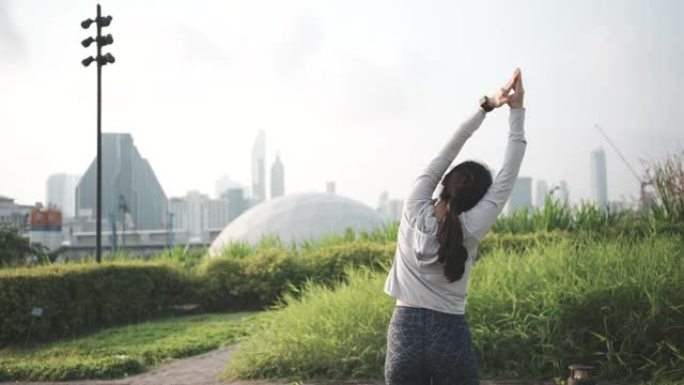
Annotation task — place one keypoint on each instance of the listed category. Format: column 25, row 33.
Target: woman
column 428, row 340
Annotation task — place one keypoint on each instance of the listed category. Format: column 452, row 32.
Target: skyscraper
column 237, row 204
column 126, row 177
column 277, row 178
column 521, row 196
column 599, row 179
column 563, row 192
column 540, row 193
column 259, row 169
column 60, row 192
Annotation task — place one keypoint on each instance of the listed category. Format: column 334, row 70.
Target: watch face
column 484, row 103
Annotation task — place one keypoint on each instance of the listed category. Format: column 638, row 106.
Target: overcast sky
column 360, row 92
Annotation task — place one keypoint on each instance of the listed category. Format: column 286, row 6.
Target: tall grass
column 332, row 334
column 616, row 304
column 587, row 218
column 667, row 177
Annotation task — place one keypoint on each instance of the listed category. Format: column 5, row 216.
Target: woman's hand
column 515, row 100
column 511, row 93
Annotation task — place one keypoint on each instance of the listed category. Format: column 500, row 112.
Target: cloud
column 306, row 41
column 194, row 46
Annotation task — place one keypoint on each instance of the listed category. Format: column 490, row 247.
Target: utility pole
column 101, row 41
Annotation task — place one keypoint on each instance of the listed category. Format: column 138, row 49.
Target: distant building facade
column 390, row 209
column 277, row 178
column 219, row 213
column 126, row 177
column 45, row 226
column 199, row 216
column 541, row 191
column 237, row 203
column 521, row 196
column 60, row 192
column 13, row 214
column 259, row 169
column 599, row 178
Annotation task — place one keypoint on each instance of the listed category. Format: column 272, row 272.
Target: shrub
column 237, row 283
column 667, row 176
column 80, row 297
column 15, row 249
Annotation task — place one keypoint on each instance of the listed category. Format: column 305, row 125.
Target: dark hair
column 464, row 186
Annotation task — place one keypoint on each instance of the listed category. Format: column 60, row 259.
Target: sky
column 363, row 93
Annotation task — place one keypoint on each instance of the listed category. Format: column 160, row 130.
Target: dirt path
column 200, row 370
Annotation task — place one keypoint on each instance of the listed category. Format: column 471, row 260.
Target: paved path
column 204, row 370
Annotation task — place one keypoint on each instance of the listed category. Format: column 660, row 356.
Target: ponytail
column 451, row 253
column 464, row 186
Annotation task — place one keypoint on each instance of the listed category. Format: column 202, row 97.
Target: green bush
column 15, row 249
column 81, row 297
column 617, row 304
column 237, row 283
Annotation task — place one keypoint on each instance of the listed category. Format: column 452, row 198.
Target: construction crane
column 643, row 182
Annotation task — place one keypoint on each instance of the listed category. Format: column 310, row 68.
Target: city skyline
column 341, row 88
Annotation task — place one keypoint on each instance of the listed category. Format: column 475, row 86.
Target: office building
column 237, row 203
column 541, row 190
column 277, row 178
column 13, row 214
column 521, row 196
column 259, row 169
column 60, row 192
column 127, row 178
column 599, row 178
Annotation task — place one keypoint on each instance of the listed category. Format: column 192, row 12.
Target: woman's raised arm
column 480, row 218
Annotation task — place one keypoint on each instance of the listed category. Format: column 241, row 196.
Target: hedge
column 77, row 298
column 258, row 281
column 84, row 297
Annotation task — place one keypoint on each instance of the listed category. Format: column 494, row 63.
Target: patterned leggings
column 429, row 347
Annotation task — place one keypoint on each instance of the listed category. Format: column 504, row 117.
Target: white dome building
column 298, row 217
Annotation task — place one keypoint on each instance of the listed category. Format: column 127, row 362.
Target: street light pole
column 101, row 61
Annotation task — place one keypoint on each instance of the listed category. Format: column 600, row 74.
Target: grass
column 123, row 351
column 616, row 304
column 324, row 334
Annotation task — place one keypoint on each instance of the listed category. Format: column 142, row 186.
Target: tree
column 15, row 249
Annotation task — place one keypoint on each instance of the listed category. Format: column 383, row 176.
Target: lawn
column 122, row 351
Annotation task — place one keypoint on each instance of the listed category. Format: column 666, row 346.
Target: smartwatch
column 484, row 104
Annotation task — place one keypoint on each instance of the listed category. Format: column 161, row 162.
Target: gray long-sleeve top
column 416, row 276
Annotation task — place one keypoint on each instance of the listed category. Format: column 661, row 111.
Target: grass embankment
column 616, row 304
column 123, row 351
